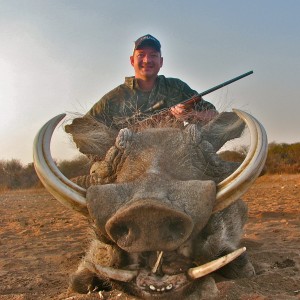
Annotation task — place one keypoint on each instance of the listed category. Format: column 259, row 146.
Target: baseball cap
column 147, row 40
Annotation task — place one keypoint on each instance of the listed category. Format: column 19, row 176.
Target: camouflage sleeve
column 100, row 111
column 108, row 106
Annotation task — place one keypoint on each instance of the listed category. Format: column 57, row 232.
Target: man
column 146, row 89
column 139, row 97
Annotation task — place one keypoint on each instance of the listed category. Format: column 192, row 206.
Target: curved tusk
column 63, row 189
column 116, row 274
column 235, row 185
column 214, row 265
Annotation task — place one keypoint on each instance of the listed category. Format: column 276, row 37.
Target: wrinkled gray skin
column 156, row 193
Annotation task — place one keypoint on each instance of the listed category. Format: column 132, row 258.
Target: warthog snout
column 139, row 218
column 147, row 225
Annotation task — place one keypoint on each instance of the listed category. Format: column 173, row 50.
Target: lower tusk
column 154, row 269
column 112, row 273
column 214, row 265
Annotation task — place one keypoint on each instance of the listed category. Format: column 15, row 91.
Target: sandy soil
column 42, row 242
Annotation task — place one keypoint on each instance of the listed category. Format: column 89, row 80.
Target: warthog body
column 157, row 209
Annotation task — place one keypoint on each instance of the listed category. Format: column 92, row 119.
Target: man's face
column 146, row 63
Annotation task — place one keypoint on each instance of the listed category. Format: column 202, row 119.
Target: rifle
column 197, row 98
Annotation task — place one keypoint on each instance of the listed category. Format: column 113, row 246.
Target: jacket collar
column 131, row 82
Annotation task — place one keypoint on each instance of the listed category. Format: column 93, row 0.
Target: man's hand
column 184, row 112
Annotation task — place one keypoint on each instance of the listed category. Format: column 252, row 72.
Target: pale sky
column 61, row 56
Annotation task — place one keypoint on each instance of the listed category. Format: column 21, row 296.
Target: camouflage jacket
column 127, row 99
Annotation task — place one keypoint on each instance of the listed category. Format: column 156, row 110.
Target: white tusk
column 214, row 265
column 235, row 185
column 154, row 269
column 116, row 274
column 63, row 189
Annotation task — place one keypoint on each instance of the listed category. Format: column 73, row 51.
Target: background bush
column 15, row 175
column 283, row 158
column 76, row 167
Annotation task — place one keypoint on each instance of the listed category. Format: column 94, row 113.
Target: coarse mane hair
column 94, row 138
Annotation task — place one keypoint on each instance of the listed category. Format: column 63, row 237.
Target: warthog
column 165, row 208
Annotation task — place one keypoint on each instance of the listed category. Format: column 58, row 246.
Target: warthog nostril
column 173, row 229
column 120, row 230
column 124, row 233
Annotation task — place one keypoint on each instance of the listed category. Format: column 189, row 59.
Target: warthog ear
column 225, row 127
column 90, row 136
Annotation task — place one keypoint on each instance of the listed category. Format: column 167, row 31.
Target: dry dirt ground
column 42, row 242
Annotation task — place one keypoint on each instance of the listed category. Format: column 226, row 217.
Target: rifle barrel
column 217, row 87
column 197, row 97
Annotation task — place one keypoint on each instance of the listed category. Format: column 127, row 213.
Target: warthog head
column 163, row 205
